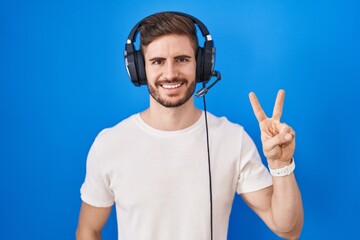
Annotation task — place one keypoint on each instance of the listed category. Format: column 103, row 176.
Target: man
column 153, row 165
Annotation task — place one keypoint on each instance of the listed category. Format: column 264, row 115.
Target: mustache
column 173, row 80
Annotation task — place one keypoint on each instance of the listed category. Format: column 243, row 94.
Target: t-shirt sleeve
column 253, row 175
column 95, row 190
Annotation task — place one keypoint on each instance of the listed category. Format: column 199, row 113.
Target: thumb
column 277, row 140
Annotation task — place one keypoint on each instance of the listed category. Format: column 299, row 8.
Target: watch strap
column 285, row 171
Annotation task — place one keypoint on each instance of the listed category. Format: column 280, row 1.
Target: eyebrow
column 162, row 58
column 156, row 58
column 183, row 56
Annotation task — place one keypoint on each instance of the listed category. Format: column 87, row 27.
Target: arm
column 91, row 222
column 280, row 206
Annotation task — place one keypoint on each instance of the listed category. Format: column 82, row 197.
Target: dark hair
column 166, row 23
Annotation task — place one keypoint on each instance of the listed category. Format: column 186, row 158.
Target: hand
column 278, row 139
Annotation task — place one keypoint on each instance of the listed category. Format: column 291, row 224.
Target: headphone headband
column 205, row 57
column 202, row 27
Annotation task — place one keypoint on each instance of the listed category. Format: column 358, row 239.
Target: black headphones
column 205, row 57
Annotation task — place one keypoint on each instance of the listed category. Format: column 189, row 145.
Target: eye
column 182, row 59
column 157, row 62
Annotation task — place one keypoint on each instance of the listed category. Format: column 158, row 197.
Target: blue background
column 62, row 80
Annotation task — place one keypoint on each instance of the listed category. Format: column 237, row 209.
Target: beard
column 155, row 94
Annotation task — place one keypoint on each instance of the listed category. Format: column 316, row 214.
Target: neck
column 171, row 119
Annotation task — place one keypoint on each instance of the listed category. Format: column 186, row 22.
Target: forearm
column 286, row 207
column 82, row 234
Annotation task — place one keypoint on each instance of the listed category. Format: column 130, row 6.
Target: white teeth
column 171, row 86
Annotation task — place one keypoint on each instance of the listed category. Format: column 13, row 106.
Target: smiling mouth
column 171, row 85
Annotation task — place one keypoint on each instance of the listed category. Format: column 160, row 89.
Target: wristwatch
column 280, row 172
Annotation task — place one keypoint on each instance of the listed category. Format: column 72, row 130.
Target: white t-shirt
column 159, row 180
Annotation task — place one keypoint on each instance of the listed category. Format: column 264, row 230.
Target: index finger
column 258, row 111
column 279, row 103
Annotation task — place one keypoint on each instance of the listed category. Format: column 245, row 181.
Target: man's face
column 170, row 66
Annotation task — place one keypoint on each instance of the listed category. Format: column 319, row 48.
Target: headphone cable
column 209, row 166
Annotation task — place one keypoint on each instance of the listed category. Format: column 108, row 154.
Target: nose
column 170, row 71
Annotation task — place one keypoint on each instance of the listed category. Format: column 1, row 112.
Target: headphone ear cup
column 130, row 63
column 141, row 73
column 208, row 61
column 199, row 65
column 205, row 59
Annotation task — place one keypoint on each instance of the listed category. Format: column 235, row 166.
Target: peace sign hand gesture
column 278, row 139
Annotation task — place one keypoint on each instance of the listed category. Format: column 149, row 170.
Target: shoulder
column 223, row 123
column 226, row 129
column 120, row 130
